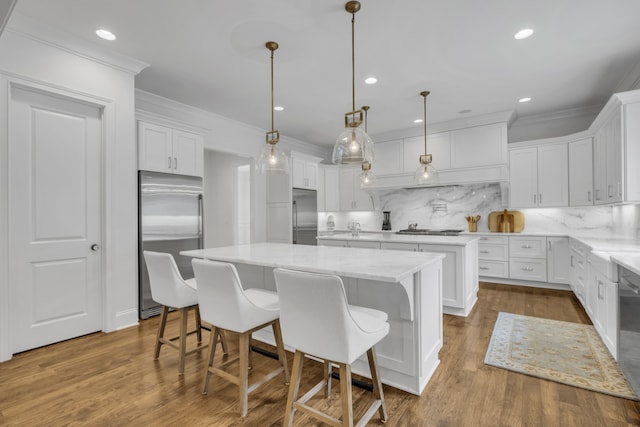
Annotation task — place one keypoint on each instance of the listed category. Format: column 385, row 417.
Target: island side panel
column 429, row 320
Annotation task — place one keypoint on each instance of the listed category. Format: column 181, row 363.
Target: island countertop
column 459, row 240
column 381, row 265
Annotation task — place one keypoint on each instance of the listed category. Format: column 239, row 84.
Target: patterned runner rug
column 568, row 353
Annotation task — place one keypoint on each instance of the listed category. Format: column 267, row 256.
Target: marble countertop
column 629, row 260
column 461, row 240
column 380, row 265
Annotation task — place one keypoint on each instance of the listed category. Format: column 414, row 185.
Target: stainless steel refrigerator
column 169, row 220
column 305, row 217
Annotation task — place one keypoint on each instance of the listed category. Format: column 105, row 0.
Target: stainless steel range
column 429, row 232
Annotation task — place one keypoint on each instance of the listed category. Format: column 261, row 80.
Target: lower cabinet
column 558, row 260
column 493, row 256
column 528, row 258
column 579, row 275
column 603, row 286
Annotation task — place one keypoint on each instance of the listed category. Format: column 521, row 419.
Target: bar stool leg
column 294, row 387
column 250, row 366
column 244, row 373
column 223, row 339
column 328, row 372
column 282, row 355
column 213, row 341
column 345, row 391
column 163, row 322
column 184, row 317
column 377, row 384
column 198, row 324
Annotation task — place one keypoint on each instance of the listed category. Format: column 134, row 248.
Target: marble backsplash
column 446, row 207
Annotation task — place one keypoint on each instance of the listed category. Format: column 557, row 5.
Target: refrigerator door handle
column 295, row 221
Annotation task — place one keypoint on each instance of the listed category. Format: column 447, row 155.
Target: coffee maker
column 386, row 220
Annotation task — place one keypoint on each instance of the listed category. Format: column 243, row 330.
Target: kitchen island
column 407, row 286
column 460, row 266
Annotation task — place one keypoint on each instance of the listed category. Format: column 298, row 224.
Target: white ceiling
column 210, row 54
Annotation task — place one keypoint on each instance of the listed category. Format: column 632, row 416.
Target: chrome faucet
column 354, row 226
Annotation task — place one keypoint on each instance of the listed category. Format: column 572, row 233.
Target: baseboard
column 125, row 319
column 532, row 284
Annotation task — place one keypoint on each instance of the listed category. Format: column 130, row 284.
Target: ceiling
column 210, row 54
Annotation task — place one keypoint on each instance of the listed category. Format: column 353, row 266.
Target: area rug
column 565, row 352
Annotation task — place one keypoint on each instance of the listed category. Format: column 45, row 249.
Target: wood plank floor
column 111, row 379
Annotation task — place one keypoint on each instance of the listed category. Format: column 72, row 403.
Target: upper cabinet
column 304, row 172
column 468, row 155
column 328, row 188
column 352, row 197
column 169, row 150
column 581, row 172
column 539, row 176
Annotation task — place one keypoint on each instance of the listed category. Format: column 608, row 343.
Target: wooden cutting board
column 494, row 221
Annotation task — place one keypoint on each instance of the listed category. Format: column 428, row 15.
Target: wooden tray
column 495, row 217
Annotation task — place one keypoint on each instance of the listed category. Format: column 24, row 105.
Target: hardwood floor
column 111, row 379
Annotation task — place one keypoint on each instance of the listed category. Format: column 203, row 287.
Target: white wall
column 33, row 59
column 220, row 197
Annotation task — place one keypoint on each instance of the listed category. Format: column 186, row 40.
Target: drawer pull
column 526, row 246
column 484, row 268
column 527, row 268
column 484, row 252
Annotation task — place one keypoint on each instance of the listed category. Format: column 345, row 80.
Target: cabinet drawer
column 493, row 268
column 393, row 246
column 528, row 269
column 493, row 252
column 363, row 244
column 528, row 247
column 494, row 240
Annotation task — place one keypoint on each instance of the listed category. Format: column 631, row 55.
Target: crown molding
column 631, row 80
column 46, row 34
column 569, row 113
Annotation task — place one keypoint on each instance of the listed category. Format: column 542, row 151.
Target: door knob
column 95, row 247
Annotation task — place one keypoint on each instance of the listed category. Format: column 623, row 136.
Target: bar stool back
column 227, row 306
column 317, row 321
column 172, row 291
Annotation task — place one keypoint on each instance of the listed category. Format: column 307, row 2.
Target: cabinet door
column 553, row 175
column 347, row 179
column 279, row 223
column 613, row 156
column 311, row 175
column 365, row 244
column 523, row 177
column 581, row 173
column 331, row 242
column 362, row 200
column 395, row 246
column 188, row 154
column 438, row 145
column 389, row 156
column 558, row 262
column 297, row 173
column 610, row 326
column 453, row 273
column 154, row 148
column 321, row 201
column 331, row 189
column 599, row 167
column 479, row 146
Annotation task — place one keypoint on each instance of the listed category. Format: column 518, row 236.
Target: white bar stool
column 317, row 321
column 227, row 306
column 172, row 291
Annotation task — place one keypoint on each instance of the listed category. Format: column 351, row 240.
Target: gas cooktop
column 430, row 232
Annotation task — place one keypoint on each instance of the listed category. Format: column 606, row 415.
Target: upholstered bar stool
column 172, row 291
column 229, row 307
column 317, row 321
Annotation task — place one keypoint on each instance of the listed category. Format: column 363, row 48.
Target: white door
column 54, row 218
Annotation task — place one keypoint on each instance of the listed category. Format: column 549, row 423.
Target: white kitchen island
column 406, row 285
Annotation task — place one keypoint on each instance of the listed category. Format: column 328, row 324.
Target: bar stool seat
column 172, row 291
column 227, row 306
column 317, row 321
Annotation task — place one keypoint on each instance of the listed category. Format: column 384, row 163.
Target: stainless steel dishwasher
column 629, row 321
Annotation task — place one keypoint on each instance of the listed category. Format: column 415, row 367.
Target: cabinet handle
column 484, row 268
column 619, row 189
column 175, row 163
column 527, row 268
column 484, row 238
column 549, row 245
column 169, row 159
column 589, row 196
column 540, row 199
column 599, row 285
column 571, row 261
column 534, row 199
column 597, row 194
column 526, row 246
column 484, row 252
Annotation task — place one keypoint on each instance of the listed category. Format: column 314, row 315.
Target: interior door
column 54, row 218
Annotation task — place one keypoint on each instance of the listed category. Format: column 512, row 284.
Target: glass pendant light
column 272, row 159
column 426, row 173
column 353, row 145
column 366, row 177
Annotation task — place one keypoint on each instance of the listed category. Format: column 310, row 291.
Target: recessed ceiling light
column 371, row 80
column 417, row 121
column 524, row 99
column 467, row 111
column 105, row 34
column 523, row 34
column 278, row 108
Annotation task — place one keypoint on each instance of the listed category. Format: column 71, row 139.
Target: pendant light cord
column 353, row 62
column 272, row 105
column 425, row 124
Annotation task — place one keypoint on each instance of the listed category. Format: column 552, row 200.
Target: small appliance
column 386, row 220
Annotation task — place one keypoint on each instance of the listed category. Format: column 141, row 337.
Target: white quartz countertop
column 381, row 265
column 629, row 260
column 460, row 240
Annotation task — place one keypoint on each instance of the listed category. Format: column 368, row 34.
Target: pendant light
column 426, row 173
column 367, row 178
column 353, row 145
column 272, row 159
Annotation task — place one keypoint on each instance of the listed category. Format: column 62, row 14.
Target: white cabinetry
column 169, row 150
column 304, row 172
column 328, row 188
column 389, row 155
column 352, row 197
column 493, row 256
column 558, row 260
column 279, row 215
column 539, row 176
column 604, row 282
column 479, row 146
column 528, row 258
column 581, row 172
column 438, row 145
column 579, row 274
